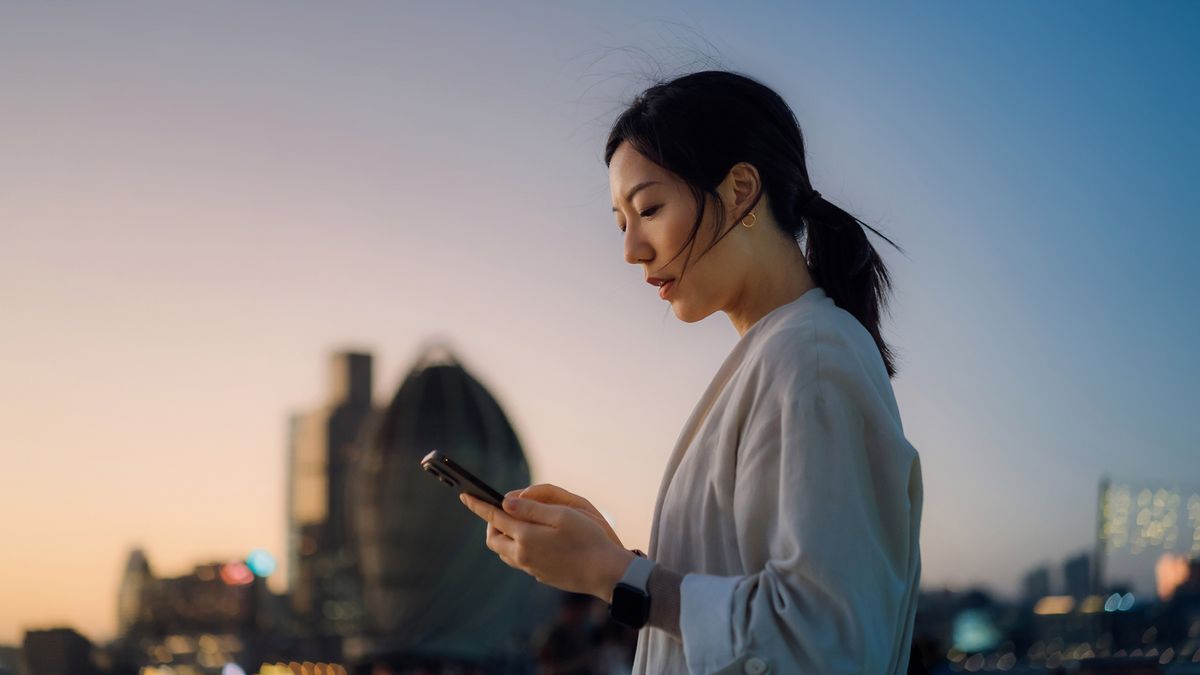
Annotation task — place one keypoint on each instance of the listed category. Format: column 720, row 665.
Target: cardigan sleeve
column 812, row 497
column 663, row 586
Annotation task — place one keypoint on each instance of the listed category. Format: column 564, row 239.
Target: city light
column 1118, row 603
column 261, row 562
column 236, row 573
column 1054, row 604
column 1126, row 602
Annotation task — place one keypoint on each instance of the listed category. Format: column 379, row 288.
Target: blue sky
column 197, row 203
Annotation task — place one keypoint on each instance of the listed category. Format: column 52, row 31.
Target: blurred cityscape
column 388, row 575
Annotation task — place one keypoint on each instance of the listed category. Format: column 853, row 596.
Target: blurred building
column 1138, row 521
column 134, row 595
column 10, row 660
column 57, row 651
column 221, row 612
column 216, row 597
column 1035, row 584
column 431, row 587
column 322, row 579
column 1077, row 576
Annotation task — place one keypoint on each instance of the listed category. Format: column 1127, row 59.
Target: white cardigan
column 792, row 505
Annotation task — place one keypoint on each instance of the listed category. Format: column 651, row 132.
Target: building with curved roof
column 430, row 586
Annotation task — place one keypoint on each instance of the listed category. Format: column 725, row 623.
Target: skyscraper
column 133, row 610
column 1138, row 521
column 320, row 447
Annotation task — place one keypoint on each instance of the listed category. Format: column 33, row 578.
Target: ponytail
column 845, row 264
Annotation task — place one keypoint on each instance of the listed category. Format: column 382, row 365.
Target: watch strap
column 637, row 574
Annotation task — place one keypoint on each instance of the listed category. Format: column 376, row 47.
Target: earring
column 753, row 220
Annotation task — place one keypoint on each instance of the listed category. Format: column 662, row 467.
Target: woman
column 786, row 529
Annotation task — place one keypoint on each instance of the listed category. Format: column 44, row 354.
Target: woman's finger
column 493, row 532
column 503, row 546
column 496, row 517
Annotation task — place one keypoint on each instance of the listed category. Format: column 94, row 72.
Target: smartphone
column 449, row 472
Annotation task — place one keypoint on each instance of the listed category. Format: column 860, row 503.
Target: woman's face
column 657, row 220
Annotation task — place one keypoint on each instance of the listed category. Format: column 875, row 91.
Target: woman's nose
column 637, row 250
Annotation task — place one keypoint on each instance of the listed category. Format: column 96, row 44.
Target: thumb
column 520, row 492
column 529, row 510
column 550, row 494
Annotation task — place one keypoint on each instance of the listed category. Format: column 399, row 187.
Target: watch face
column 630, row 606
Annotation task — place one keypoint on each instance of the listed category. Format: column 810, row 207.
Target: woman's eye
column 645, row 214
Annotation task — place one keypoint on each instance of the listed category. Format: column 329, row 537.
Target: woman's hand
column 560, row 546
column 552, row 494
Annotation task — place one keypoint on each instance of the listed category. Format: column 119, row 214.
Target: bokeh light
column 261, row 562
column 236, row 573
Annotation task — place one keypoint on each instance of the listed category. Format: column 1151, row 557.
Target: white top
column 792, row 505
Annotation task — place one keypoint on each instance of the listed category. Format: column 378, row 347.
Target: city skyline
column 190, row 230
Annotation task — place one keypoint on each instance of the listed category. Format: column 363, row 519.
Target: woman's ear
column 740, row 188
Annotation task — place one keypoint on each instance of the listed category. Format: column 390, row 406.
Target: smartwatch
column 631, row 598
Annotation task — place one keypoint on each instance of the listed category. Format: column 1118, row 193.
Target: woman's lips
column 665, row 288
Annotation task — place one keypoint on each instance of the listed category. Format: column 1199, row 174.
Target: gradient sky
column 198, row 202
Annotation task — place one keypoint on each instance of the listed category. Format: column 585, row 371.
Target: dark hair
column 697, row 126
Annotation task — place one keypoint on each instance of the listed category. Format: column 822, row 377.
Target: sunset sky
column 200, row 201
